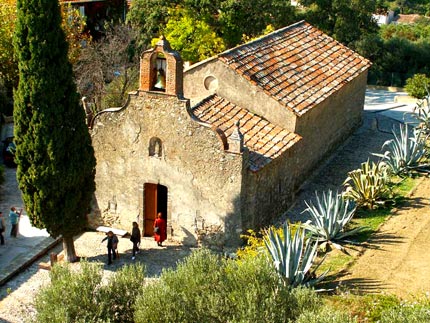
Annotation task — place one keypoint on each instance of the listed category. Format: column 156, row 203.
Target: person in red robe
column 160, row 234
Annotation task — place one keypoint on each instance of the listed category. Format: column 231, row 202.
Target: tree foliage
column 56, row 164
column 346, row 21
column 230, row 20
column 193, row 38
column 250, row 18
column 8, row 64
column 409, row 6
column 397, row 52
column 148, row 17
column 107, row 69
column 412, row 32
column 74, row 26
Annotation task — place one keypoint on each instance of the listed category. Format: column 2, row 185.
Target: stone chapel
column 223, row 145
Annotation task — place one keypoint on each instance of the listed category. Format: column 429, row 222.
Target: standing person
column 2, row 228
column 112, row 245
column 160, row 229
column 14, row 220
column 135, row 238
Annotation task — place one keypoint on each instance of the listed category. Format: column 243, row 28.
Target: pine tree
column 55, row 158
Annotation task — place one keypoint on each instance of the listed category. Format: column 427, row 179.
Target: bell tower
column 161, row 70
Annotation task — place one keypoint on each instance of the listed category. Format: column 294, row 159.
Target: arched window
column 155, row 147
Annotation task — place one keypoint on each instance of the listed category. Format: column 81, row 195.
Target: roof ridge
column 269, row 35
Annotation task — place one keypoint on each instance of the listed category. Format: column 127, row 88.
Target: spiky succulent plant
column 329, row 218
column 293, row 255
column 368, row 186
column 405, row 153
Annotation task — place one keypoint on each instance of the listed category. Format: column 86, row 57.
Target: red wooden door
column 150, row 208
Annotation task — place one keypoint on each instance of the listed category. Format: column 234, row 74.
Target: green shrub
column 376, row 305
column 207, row 288
column 254, row 243
column 417, row 86
column 78, row 295
column 368, row 185
column 382, row 308
column 117, row 298
column 306, row 299
column 189, row 293
column 406, row 313
column 71, row 296
column 254, row 295
column 325, row 315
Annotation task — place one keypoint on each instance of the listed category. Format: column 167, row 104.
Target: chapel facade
column 222, row 146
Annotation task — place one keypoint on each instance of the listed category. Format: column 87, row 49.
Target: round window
column 211, row 83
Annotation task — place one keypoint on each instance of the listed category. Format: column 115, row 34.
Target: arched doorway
column 155, row 200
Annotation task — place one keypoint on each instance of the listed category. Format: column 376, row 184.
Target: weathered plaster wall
column 203, row 180
column 269, row 192
column 332, row 121
column 213, row 76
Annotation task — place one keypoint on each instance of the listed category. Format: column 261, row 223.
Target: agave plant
column 368, row 185
column 422, row 112
column 405, row 153
column 329, row 218
column 293, row 256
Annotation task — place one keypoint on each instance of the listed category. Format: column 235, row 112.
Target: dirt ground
column 397, row 258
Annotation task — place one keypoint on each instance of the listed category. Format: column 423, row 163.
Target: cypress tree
column 54, row 156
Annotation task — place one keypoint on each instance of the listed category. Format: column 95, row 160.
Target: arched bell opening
column 159, row 70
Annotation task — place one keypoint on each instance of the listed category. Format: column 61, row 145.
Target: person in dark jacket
column 135, row 238
column 112, row 245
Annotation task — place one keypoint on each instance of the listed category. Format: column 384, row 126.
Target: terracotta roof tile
column 264, row 140
column 298, row 65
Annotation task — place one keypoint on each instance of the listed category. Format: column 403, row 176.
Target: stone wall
column 203, row 180
column 269, row 192
column 331, row 122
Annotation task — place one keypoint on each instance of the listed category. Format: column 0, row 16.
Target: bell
column 161, row 81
